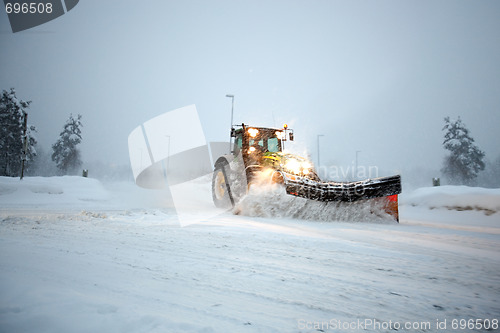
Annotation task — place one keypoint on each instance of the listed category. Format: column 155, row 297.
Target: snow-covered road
column 137, row 270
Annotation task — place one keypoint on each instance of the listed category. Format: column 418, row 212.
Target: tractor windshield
column 259, row 139
column 266, row 144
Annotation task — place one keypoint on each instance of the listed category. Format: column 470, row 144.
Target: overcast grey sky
column 373, row 76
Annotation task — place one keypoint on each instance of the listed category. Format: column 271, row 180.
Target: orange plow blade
column 391, row 206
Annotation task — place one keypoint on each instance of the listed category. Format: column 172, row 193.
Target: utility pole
column 232, row 110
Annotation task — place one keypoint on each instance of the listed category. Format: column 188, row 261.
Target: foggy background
column 371, row 76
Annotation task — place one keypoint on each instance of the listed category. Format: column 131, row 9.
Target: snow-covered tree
column 65, row 151
column 12, row 114
column 465, row 159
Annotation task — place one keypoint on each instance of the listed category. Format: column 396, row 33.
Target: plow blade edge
column 344, row 191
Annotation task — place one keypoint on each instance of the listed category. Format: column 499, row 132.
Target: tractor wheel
column 220, row 189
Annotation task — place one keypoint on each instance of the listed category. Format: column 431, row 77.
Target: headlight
column 253, row 132
column 298, row 167
column 293, row 166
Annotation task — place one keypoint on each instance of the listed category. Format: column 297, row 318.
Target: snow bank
column 458, row 198
column 47, row 191
column 72, row 193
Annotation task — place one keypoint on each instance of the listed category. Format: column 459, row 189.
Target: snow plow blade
column 344, row 191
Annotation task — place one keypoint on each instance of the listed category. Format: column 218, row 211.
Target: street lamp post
column 318, row 149
column 231, row 131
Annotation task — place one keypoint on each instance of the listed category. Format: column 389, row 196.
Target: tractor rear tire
column 221, row 193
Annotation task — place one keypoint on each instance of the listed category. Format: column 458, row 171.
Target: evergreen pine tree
column 12, row 113
column 65, row 151
column 465, row 160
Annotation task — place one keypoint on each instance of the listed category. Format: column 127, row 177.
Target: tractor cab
column 260, row 140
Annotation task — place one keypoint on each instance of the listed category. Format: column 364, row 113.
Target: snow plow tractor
column 259, row 151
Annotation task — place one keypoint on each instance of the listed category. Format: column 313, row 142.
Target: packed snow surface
column 77, row 255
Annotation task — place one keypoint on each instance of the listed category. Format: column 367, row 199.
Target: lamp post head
column 229, row 95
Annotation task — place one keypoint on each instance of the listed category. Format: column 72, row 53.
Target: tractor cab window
column 239, row 141
column 257, row 145
column 252, row 142
column 266, row 144
column 273, row 145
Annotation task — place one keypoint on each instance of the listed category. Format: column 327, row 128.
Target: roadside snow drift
column 456, row 198
column 47, row 191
